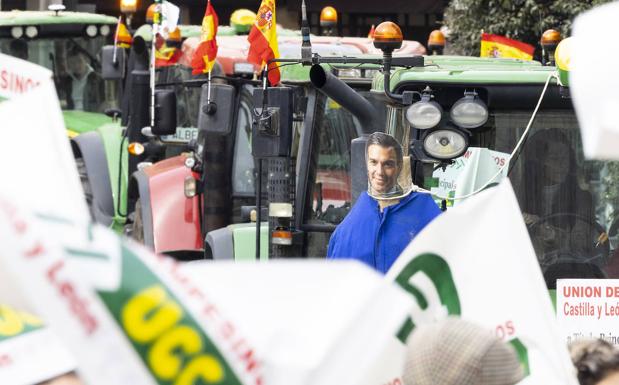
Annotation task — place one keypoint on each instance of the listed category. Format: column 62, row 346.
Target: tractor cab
column 68, row 44
column 471, row 122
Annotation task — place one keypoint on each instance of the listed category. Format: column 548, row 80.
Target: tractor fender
column 171, row 220
column 139, row 188
column 89, row 147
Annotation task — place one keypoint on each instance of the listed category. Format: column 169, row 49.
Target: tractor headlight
column 445, row 143
column 17, row 32
column 92, row 30
column 469, row 112
column 424, row 114
column 32, row 31
column 105, row 30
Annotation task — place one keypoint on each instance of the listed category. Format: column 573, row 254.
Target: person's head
column 454, row 351
column 552, row 153
column 596, row 362
column 77, row 63
column 384, row 161
column 19, row 49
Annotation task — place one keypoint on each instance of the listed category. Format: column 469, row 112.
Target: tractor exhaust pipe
column 347, row 98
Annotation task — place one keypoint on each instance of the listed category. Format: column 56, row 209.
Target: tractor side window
column 330, row 189
column 243, row 169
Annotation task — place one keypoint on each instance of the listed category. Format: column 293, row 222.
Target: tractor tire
column 86, row 187
column 137, row 227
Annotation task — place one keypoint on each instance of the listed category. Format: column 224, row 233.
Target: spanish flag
column 263, row 40
column 204, row 57
column 122, row 38
column 500, row 46
column 168, row 52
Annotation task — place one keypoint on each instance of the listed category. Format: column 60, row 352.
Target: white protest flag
column 29, row 352
column 134, row 318
column 593, row 81
column 478, row 167
column 476, row 261
column 38, row 168
column 18, row 76
column 170, row 14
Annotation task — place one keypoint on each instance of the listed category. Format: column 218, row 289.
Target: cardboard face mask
column 388, row 170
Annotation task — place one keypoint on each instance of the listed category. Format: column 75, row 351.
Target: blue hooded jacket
column 376, row 238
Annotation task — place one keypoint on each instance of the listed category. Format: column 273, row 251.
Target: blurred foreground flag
column 29, row 352
column 263, row 41
column 486, row 273
column 593, row 80
column 131, row 317
column 204, row 56
column 39, row 173
column 500, row 46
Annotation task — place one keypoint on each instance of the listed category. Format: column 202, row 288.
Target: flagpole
column 115, row 58
column 208, row 95
column 156, row 23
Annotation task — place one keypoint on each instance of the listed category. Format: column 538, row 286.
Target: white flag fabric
column 29, row 352
column 170, row 14
column 476, row 261
column 135, row 318
column 593, row 81
column 38, row 166
column 17, row 76
column 477, row 168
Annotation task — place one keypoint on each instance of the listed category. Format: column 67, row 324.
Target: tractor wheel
column 137, row 227
column 85, row 181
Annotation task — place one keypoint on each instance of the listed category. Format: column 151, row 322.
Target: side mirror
column 165, row 113
column 113, row 63
column 217, row 116
column 272, row 129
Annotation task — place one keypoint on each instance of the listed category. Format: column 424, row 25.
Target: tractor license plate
column 183, row 135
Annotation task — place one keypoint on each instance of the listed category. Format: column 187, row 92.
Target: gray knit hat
column 458, row 352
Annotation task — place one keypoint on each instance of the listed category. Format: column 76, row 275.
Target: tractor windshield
column 76, row 67
column 570, row 205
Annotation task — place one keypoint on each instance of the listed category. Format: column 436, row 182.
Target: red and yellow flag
column 122, row 38
column 263, row 40
column 371, row 33
column 500, row 46
column 204, row 57
column 168, row 52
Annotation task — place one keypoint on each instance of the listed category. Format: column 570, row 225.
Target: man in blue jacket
column 385, row 219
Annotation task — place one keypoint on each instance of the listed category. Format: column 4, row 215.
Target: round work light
column 469, row 112
column 445, row 143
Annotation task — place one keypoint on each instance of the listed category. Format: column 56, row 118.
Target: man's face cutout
column 383, row 168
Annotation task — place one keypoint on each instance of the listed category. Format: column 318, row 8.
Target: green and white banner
column 470, row 172
column 135, row 318
column 476, row 261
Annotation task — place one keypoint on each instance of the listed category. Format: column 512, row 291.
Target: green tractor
column 68, row 44
column 466, row 122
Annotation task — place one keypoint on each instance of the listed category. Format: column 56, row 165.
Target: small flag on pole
column 263, row 40
column 500, row 46
column 204, row 57
column 168, row 51
column 122, row 38
column 371, row 34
